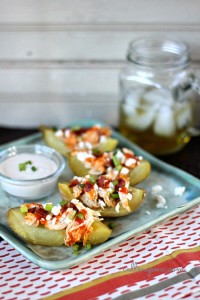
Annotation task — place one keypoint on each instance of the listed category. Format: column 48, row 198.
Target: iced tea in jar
column 157, row 89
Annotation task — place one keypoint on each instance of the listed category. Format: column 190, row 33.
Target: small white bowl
column 31, row 189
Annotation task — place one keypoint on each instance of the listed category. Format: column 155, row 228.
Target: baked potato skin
column 52, row 141
column 45, row 237
column 136, row 175
column 138, row 196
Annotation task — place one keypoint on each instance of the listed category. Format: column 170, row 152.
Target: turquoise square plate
column 148, row 215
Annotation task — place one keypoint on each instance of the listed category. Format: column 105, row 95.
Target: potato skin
column 45, row 237
column 52, row 141
column 136, row 175
column 138, row 196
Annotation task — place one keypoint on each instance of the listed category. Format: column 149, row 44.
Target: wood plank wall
column 60, row 60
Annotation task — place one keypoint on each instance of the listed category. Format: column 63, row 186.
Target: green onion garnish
column 114, row 195
column 48, row 207
column 74, row 128
column 24, row 209
column 63, row 202
column 116, row 161
column 72, row 215
column 119, row 168
column 111, row 225
column 29, row 162
column 92, row 180
column 81, row 185
column 96, row 151
column 88, row 245
column 33, row 168
column 75, row 248
column 22, row 167
column 80, row 216
column 115, row 182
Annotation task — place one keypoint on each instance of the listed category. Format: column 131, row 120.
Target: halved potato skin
column 54, row 142
column 136, row 175
column 138, row 196
column 45, row 237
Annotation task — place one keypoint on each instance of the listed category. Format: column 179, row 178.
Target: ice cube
column 161, row 96
column 183, row 115
column 141, row 119
column 165, row 124
column 132, row 101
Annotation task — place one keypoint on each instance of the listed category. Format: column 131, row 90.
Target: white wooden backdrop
column 60, row 59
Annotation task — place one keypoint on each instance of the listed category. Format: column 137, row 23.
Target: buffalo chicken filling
column 74, row 217
column 103, row 192
column 116, row 163
column 83, row 138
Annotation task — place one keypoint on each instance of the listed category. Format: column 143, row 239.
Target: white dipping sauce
column 44, row 166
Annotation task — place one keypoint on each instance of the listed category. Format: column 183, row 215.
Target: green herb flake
column 82, row 185
column 75, row 249
column 115, row 182
column 80, row 216
column 22, row 167
column 33, row 168
column 24, row 209
column 48, row 207
column 116, row 161
column 88, row 245
column 63, row 202
column 96, row 151
column 29, row 162
column 92, row 180
column 119, row 168
column 72, row 215
column 74, row 128
column 111, row 225
column 115, row 195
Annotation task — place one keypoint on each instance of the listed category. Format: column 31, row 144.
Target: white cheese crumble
column 179, row 191
column 156, row 189
column 59, row 133
column 130, row 161
column 124, row 171
column 56, row 210
column 160, row 201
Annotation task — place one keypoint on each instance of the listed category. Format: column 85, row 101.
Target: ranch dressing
column 28, row 166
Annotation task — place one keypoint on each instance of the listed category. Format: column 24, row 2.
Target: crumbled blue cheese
column 156, row 189
column 56, row 210
column 130, row 161
column 179, row 191
column 160, row 201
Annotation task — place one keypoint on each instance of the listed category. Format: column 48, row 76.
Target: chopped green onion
column 72, row 215
column 24, row 209
column 114, row 195
column 119, row 168
column 116, row 161
column 48, row 207
column 111, row 225
column 22, row 167
column 115, row 182
column 75, row 248
column 63, row 202
column 80, row 216
column 96, row 151
column 55, row 129
column 33, row 168
column 81, row 185
column 74, row 128
column 29, row 162
column 92, row 180
column 88, row 245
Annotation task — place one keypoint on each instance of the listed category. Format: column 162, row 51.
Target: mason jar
column 158, row 93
